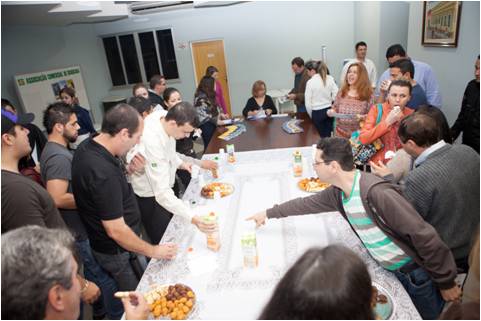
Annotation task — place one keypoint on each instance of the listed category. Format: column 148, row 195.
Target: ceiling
column 56, row 13
column 64, row 13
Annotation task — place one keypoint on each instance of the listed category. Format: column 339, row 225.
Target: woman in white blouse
column 321, row 90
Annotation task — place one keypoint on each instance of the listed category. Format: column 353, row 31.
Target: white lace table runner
column 224, row 288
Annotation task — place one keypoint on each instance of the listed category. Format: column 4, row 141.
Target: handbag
column 362, row 153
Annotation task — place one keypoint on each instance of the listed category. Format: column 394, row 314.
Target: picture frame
column 441, row 23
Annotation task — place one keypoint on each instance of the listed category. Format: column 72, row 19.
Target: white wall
column 28, row 49
column 260, row 40
column 454, row 67
column 394, row 28
column 381, row 24
column 367, row 27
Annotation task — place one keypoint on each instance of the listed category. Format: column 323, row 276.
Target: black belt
column 408, row 267
column 111, row 251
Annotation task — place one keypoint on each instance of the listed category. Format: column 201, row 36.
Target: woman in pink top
column 352, row 101
column 213, row 72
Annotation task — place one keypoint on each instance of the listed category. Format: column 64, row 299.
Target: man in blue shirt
column 424, row 75
column 404, row 69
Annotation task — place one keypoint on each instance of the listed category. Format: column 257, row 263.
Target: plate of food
column 382, row 303
column 224, row 189
column 174, row 301
column 312, row 185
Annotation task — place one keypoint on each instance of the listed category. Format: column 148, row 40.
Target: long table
column 223, row 287
column 266, row 133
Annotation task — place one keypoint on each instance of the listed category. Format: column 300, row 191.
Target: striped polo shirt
column 379, row 245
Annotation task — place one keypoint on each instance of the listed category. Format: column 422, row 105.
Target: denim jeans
column 425, row 295
column 119, row 267
column 95, row 273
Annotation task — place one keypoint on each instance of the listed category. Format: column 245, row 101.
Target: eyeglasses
column 319, row 163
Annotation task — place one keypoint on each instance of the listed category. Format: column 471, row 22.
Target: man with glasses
column 154, row 187
column 394, row 234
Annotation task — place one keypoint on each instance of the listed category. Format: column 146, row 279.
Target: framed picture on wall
column 441, row 23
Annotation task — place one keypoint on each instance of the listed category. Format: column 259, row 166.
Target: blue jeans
column 425, row 295
column 94, row 272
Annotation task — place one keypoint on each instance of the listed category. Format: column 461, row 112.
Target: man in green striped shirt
column 393, row 232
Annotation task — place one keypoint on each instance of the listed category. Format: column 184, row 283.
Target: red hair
column 362, row 84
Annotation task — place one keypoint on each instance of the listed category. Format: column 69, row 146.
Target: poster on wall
column 441, row 23
column 37, row 90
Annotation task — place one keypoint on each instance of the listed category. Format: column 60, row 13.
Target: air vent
column 146, row 7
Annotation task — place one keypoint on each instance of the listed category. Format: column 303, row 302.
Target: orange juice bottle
column 213, row 239
column 297, row 164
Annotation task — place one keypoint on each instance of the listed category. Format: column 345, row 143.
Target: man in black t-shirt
column 106, row 202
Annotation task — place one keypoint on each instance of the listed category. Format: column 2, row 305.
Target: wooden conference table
column 266, row 133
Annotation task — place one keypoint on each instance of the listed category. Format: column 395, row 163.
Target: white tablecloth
column 226, row 290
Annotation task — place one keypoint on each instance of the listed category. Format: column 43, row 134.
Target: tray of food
column 171, row 301
column 312, row 185
column 382, row 303
column 224, row 189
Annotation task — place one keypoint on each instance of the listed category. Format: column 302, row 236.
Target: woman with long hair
column 207, row 109
column 213, row 72
column 352, row 101
column 329, row 283
column 321, row 90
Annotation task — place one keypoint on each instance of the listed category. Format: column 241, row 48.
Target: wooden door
column 211, row 53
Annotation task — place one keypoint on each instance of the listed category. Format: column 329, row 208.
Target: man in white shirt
column 361, row 52
column 155, row 196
